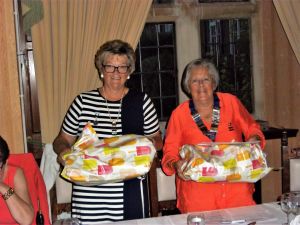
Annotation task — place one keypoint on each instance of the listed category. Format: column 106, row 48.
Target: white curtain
column 288, row 12
column 65, row 42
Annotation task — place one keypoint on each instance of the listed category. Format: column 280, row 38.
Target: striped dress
column 102, row 203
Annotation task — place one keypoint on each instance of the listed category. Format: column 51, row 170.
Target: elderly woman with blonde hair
column 113, row 110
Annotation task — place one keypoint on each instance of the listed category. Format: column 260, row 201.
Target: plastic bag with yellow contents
column 228, row 161
column 93, row 161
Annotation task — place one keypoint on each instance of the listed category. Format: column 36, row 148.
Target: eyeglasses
column 201, row 81
column 112, row 69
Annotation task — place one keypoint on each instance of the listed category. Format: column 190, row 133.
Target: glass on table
column 295, row 198
column 287, row 205
column 195, row 219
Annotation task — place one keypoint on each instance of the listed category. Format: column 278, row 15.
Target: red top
column 6, row 217
column 235, row 121
column 35, row 183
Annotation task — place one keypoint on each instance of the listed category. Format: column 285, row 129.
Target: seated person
column 15, row 203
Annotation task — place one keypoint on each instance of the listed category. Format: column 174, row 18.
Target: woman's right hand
column 178, row 166
column 60, row 157
column 62, row 144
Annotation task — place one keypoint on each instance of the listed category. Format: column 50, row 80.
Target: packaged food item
column 227, row 161
column 92, row 161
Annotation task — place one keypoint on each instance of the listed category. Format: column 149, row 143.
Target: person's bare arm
column 19, row 203
column 62, row 144
column 156, row 140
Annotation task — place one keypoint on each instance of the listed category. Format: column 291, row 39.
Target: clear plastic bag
column 224, row 161
column 92, row 161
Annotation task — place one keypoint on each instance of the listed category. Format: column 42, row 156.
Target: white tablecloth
column 269, row 213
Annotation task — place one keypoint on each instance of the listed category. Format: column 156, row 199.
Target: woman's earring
column 128, row 77
column 101, row 76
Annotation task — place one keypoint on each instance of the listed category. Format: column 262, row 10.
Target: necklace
column 211, row 134
column 113, row 121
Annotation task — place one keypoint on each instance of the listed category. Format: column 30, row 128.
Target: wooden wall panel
column 10, row 109
column 281, row 91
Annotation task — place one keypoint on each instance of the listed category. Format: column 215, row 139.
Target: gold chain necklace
column 113, row 121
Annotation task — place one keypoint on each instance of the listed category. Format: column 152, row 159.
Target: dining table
column 266, row 213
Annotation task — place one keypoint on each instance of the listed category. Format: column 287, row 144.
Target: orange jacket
column 235, row 121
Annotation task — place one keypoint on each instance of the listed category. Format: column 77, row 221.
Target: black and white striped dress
column 103, row 203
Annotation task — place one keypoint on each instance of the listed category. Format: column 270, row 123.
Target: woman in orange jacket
column 209, row 116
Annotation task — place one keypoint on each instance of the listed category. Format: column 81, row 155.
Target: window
column 156, row 67
column 227, row 43
column 163, row 1
column 212, row 1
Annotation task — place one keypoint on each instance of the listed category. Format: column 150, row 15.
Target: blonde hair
column 115, row 47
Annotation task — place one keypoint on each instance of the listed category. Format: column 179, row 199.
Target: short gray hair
column 115, row 47
column 204, row 63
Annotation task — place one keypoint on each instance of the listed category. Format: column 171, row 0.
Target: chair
column 58, row 190
column 60, row 196
column 162, row 190
column 294, row 170
column 35, row 182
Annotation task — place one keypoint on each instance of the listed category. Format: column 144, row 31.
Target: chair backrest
column 166, row 189
column 60, row 196
column 294, row 174
column 35, row 182
column 63, row 191
column 295, row 170
column 162, row 191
